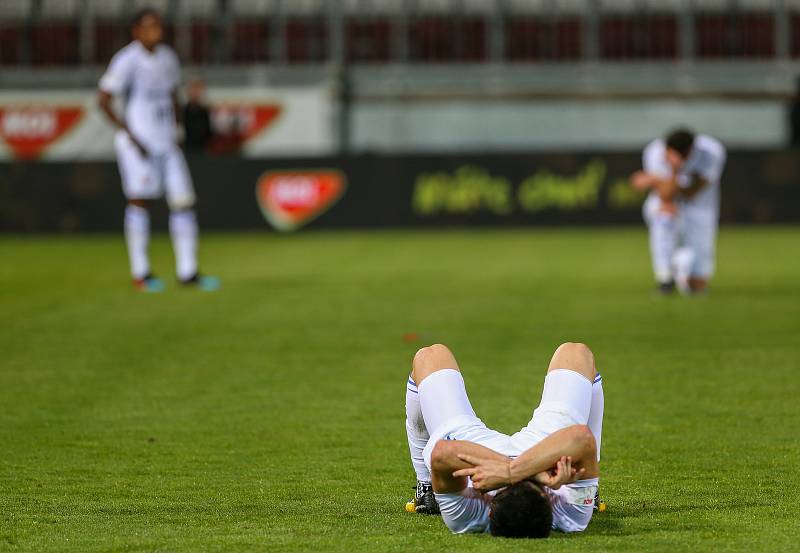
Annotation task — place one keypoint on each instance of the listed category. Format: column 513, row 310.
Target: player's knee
column 181, row 203
column 584, row 438
column 575, row 356
column 430, row 359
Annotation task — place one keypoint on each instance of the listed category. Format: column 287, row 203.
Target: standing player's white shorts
column 568, row 399
column 147, row 178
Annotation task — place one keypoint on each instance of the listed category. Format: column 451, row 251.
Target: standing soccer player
column 682, row 173
column 146, row 74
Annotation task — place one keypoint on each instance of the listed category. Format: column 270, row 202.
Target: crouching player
column 541, row 478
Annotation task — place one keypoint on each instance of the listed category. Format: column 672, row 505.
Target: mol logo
column 29, row 130
column 291, row 199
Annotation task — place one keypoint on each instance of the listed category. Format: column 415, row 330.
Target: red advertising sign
column 291, row 199
column 30, row 130
column 235, row 124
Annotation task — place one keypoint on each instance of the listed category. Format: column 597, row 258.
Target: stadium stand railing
column 46, row 33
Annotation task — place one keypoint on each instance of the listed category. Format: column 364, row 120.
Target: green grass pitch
column 269, row 416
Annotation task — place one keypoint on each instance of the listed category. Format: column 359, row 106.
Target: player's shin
column 137, row 238
column 663, row 237
column 683, row 260
column 183, row 231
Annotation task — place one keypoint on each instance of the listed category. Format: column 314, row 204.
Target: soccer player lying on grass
column 543, row 477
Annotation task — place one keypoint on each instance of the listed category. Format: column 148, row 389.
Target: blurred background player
column 147, row 74
column 682, row 173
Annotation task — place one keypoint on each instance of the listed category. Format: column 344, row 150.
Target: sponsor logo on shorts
column 30, row 130
column 291, row 199
column 588, row 501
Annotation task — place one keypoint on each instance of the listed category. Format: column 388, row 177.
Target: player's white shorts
column 148, row 178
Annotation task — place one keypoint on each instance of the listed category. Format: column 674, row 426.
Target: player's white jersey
column 706, row 160
column 147, row 81
column 468, row 511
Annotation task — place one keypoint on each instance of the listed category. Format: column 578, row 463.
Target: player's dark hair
column 521, row 511
column 139, row 16
column 681, row 140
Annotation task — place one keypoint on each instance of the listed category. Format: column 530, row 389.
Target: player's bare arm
column 106, row 102
column 447, row 461
column 563, row 457
column 667, row 189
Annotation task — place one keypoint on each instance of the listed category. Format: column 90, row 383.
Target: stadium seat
column 11, row 39
column 434, row 38
column 638, row 37
column 252, row 29
column 735, row 35
column 368, row 40
column 306, row 39
column 13, row 17
column 538, row 30
column 251, row 41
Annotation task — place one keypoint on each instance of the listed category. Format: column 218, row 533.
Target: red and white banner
column 292, row 199
column 258, row 122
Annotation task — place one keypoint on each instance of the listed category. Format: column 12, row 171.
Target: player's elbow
column 583, row 440
column 442, row 455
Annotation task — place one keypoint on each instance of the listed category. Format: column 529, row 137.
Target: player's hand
column 562, row 473
column 641, row 180
column 486, row 474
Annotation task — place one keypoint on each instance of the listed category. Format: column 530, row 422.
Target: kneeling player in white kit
column 547, row 473
column 147, row 74
column 682, row 209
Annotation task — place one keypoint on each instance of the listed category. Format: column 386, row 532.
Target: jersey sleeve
column 119, row 74
column 573, row 506
column 713, row 162
column 653, row 157
column 465, row 512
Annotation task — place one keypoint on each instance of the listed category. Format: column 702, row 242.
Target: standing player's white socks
column 663, row 237
column 417, row 433
column 683, row 260
column 183, row 230
column 137, row 237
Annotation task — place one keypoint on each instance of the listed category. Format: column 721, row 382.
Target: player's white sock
column 596, row 411
column 663, row 236
column 417, row 433
column 137, row 237
column 183, row 230
column 683, row 260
